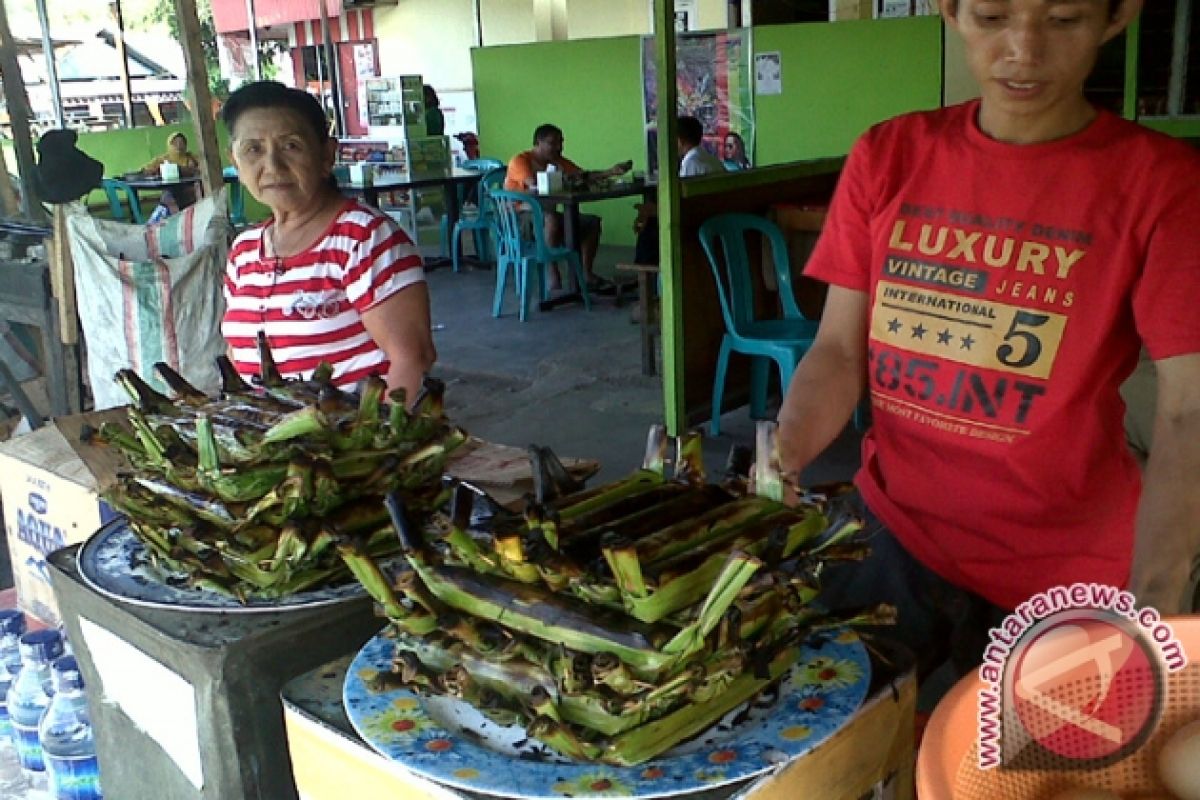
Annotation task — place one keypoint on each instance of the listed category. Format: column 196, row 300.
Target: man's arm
column 1168, row 520
column 828, row 381
column 400, row 325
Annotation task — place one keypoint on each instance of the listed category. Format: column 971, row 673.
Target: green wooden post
column 670, row 244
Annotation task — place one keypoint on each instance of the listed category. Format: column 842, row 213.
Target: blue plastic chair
column 237, row 196
column 522, row 250
column 113, row 189
column 784, row 340
column 480, row 165
column 483, row 224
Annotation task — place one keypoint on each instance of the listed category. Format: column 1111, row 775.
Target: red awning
column 230, row 15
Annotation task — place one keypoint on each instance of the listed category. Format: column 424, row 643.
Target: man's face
column 1031, row 58
column 549, row 148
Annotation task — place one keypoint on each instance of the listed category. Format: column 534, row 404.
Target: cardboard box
column 840, row 10
column 49, row 484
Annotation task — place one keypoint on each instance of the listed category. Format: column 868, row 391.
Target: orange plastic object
column 946, row 761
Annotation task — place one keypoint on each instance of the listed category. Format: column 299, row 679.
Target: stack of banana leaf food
column 617, row 622
column 249, row 493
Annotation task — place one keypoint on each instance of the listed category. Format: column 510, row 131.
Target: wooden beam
column 123, row 60
column 670, row 243
column 62, row 278
column 8, row 197
column 197, row 81
column 18, row 115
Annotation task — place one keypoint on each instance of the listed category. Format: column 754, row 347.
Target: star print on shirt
column 919, row 331
column 967, row 341
column 894, row 325
column 944, row 337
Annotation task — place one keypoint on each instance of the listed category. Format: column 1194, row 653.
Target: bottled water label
column 73, row 777
column 29, row 748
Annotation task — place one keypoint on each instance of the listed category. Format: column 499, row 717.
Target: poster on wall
column 714, row 83
column 364, row 67
column 768, row 73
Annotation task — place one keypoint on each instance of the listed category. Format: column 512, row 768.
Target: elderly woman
column 327, row 278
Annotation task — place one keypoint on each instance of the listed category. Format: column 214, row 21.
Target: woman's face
column 731, row 147
column 280, row 160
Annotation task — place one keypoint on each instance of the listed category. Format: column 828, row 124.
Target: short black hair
column 690, row 131
column 273, row 94
column 545, row 131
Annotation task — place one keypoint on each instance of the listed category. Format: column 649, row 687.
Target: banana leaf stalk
column 657, row 736
column 184, row 391
column 689, row 459
column 268, row 373
column 377, row 585
column 232, row 384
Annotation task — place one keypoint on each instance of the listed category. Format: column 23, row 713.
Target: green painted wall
column 841, row 78
column 838, row 79
column 591, row 88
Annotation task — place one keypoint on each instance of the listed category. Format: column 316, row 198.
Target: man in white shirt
column 696, row 160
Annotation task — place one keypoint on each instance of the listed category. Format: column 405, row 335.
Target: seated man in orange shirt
column 522, row 177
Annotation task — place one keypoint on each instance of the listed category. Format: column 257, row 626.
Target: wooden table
column 649, row 310
column 570, row 202
column 150, row 184
column 398, row 182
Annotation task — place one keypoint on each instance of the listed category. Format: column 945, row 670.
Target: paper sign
column 161, row 703
column 768, row 73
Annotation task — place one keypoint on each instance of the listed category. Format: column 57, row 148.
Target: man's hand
column 620, row 169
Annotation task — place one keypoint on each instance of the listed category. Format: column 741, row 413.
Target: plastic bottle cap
column 12, row 622
column 66, row 674
column 45, row 645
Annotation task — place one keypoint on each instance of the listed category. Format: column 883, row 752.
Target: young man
column 994, row 269
column 695, row 160
column 522, row 177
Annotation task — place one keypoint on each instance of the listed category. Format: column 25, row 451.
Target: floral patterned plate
column 116, row 564
column 448, row 741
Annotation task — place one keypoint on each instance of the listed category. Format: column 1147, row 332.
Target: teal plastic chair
column 480, row 165
column 237, row 196
column 483, row 224
column 522, row 251
column 113, row 189
column 783, row 340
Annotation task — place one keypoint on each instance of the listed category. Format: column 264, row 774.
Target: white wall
column 505, row 21
column 960, row 85
column 432, row 38
column 595, row 18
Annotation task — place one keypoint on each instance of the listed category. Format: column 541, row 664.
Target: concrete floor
column 567, row 378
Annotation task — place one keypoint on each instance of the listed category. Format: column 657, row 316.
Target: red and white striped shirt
column 310, row 305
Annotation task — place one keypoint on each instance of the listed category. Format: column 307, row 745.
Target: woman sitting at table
column 327, row 278
column 179, row 155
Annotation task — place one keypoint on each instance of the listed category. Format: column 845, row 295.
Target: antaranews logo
column 1074, row 677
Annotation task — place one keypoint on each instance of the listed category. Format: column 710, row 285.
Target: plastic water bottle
column 28, row 699
column 68, row 745
column 12, row 627
column 12, row 779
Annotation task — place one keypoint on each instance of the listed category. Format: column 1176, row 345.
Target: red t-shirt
column 310, row 305
column 1009, row 289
